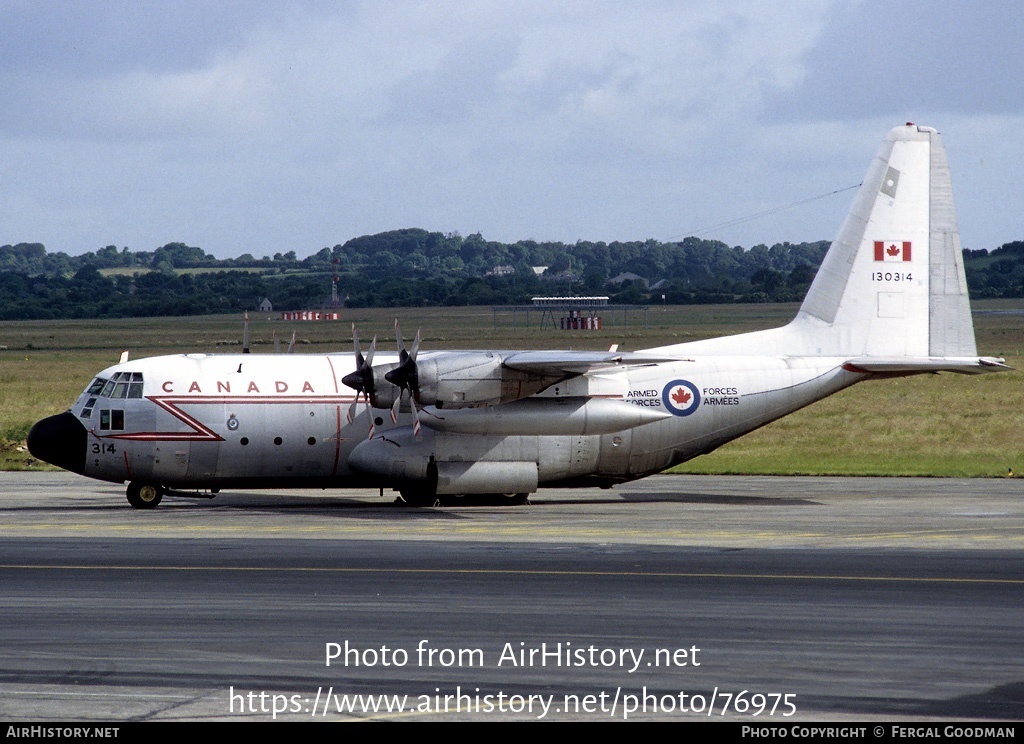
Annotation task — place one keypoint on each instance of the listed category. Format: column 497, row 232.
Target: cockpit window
column 121, row 385
column 87, row 408
column 135, row 387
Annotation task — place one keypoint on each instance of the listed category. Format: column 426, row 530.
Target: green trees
column 414, row 267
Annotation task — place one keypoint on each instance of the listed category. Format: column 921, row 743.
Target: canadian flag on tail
column 892, row 250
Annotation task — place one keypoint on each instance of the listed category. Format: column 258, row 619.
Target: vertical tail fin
column 893, row 282
column 891, row 294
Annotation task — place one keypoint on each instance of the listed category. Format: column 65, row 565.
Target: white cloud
column 283, row 126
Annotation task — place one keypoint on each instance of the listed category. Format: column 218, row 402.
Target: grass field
column 940, row 425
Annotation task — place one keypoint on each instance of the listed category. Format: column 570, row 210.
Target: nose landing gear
column 144, row 495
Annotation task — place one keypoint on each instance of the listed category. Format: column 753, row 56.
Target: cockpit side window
column 87, row 408
column 111, row 420
column 96, row 385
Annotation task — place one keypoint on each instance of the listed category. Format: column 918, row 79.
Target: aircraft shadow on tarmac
column 713, row 498
column 392, row 508
column 544, row 498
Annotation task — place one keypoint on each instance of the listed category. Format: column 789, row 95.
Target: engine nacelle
column 460, row 379
column 546, row 416
column 404, row 460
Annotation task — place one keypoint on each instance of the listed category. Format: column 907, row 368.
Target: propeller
column 406, row 378
column 362, row 379
column 277, row 344
column 245, row 334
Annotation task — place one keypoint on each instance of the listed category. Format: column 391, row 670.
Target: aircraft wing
column 562, row 363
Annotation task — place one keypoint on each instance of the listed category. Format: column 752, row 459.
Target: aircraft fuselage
column 217, row 421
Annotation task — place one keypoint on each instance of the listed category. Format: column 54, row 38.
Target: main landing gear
column 144, row 495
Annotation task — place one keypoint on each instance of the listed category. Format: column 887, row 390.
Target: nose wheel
column 144, row 495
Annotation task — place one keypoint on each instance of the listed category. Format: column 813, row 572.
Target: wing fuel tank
column 546, row 417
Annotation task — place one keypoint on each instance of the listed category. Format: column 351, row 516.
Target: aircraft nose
column 60, row 440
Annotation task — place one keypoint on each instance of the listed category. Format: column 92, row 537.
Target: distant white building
column 569, row 302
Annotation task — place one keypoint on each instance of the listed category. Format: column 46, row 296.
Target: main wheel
column 144, row 495
column 516, row 499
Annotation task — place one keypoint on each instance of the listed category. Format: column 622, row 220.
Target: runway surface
column 674, row 597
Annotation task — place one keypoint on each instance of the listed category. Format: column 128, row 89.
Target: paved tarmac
column 855, row 599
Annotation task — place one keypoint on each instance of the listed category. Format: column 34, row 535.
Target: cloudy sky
column 264, row 127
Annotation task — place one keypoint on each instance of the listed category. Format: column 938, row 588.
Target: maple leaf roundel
column 680, row 397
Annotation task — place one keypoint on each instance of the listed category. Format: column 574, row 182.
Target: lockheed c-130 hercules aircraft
column 889, row 299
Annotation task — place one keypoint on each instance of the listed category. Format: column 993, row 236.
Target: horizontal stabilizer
column 963, row 365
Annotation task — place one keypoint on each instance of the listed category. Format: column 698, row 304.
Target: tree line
column 414, row 267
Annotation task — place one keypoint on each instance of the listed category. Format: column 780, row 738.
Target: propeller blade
column 415, row 417
column 352, row 408
column 277, row 343
column 355, row 343
column 245, row 333
column 369, row 354
column 406, row 375
column 415, row 413
column 361, row 380
column 291, row 344
column 369, row 415
column 394, row 408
